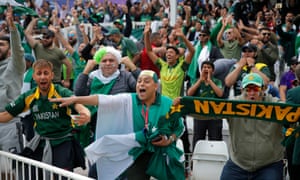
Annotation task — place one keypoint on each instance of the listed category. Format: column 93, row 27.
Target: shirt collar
column 156, row 102
column 50, row 94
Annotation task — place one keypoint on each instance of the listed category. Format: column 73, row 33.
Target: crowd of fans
column 236, row 37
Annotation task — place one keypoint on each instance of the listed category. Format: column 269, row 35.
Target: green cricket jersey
column 50, row 120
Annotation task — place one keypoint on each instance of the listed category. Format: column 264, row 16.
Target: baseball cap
column 205, row 30
column 112, row 31
column 294, row 60
column 252, row 78
column 249, row 46
column 29, row 57
column 151, row 74
column 118, row 21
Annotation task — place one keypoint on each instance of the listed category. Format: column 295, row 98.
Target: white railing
column 20, row 168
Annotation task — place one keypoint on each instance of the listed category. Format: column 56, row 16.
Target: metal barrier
column 21, row 168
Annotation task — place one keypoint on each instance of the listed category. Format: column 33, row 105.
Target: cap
column 205, row 30
column 249, row 46
column 112, row 31
column 29, row 57
column 202, row 22
column 252, row 78
column 149, row 73
column 294, row 60
column 48, row 33
column 105, row 50
column 118, row 21
column 169, row 46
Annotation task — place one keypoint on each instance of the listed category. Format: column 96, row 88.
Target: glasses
column 46, row 37
column 247, row 51
column 71, row 35
column 253, row 88
column 202, row 35
column 266, row 34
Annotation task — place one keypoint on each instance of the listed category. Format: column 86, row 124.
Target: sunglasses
column 71, row 35
column 247, row 51
column 253, row 88
column 46, row 37
column 202, row 35
column 266, row 34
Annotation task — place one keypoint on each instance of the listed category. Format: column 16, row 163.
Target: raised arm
column 128, row 27
column 62, row 39
column 86, row 100
column 147, row 42
column 17, row 51
column 188, row 44
column 29, row 31
column 232, row 77
column 220, row 34
column 81, row 36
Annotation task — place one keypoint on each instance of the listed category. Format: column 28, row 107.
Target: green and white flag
column 117, row 145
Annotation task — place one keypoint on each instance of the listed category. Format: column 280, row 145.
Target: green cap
column 252, row 78
column 112, row 31
column 151, row 74
column 118, row 21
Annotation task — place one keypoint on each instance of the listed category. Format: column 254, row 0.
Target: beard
column 73, row 42
column 4, row 55
column 47, row 45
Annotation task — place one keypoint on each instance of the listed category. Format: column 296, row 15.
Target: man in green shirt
column 207, row 86
column 53, row 124
column 172, row 70
column 126, row 45
column 247, row 64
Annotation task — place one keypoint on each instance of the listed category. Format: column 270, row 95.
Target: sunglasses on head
column 253, row 88
column 266, row 34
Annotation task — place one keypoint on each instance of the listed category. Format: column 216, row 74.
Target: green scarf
column 97, row 87
column 193, row 68
column 282, row 113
